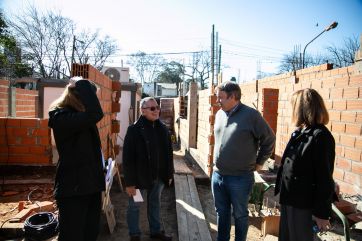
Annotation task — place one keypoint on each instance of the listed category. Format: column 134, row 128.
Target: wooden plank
column 181, row 167
column 200, row 217
column 181, row 214
column 111, row 220
column 28, row 181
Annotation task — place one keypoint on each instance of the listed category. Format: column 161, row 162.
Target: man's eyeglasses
column 152, row 108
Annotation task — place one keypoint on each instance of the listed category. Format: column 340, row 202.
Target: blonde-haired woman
column 79, row 178
column 305, row 180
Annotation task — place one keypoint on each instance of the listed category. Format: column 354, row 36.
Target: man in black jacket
column 148, row 166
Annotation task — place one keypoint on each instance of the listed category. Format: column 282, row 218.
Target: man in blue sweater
column 243, row 142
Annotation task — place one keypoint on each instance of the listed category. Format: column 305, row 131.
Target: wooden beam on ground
column 190, row 217
column 181, row 167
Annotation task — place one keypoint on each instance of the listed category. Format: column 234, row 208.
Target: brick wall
column 108, row 126
column 4, row 99
column 27, row 103
column 25, row 141
column 341, row 90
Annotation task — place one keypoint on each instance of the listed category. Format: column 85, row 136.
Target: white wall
column 124, row 117
column 51, row 94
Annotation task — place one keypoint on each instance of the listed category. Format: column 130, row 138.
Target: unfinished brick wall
column 25, row 141
column 342, row 91
column 108, row 126
column 4, row 99
column 27, row 103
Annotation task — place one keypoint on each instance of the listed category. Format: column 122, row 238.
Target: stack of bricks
column 183, row 106
column 25, row 141
column 167, row 113
column 4, row 99
column 108, row 95
column 214, row 107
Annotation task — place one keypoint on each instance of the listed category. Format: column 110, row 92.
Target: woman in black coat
column 79, row 178
column 305, row 180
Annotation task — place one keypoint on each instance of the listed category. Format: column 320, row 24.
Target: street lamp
column 332, row 26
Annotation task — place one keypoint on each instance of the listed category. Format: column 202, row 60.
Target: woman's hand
column 323, row 224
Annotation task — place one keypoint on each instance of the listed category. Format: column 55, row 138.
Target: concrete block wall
column 25, row 141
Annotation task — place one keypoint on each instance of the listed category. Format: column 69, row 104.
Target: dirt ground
column 8, row 208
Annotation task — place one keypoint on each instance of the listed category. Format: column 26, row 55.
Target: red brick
column 352, row 154
column 350, row 93
column 336, row 93
column 37, row 150
column 334, row 115
column 359, row 117
column 13, row 122
column 347, row 140
column 358, row 143
column 43, row 123
column 353, row 129
column 338, row 174
column 29, row 122
column 347, row 188
column 339, row 150
column 343, row 163
column 352, row 179
column 338, row 127
column 348, row 116
column 339, row 104
column 356, row 80
column 211, row 139
column 20, row 131
column 18, row 149
column 42, row 132
column 212, row 99
column 357, row 168
column 354, row 104
column 342, row 82
column 28, row 140
column 328, row 83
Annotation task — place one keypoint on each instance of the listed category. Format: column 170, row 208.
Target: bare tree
column 48, row 40
column 199, row 68
column 147, row 66
column 344, row 56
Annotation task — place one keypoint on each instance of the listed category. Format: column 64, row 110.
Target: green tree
column 172, row 73
column 11, row 64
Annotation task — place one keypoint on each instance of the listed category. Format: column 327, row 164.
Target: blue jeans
column 153, row 210
column 232, row 191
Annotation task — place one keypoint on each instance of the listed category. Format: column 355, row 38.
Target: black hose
column 41, row 226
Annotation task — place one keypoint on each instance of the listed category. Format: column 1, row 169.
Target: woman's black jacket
column 137, row 155
column 305, row 178
column 79, row 169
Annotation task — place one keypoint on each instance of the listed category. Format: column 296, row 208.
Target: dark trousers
column 295, row 224
column 79, row 217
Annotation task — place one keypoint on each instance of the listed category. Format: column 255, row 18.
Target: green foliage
column 172, row 73
column 10, row 57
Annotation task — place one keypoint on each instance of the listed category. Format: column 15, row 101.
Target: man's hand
column 169, row 182
column 131, row 191
column 258, row 167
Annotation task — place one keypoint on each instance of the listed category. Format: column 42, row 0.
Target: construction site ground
column 12, row 194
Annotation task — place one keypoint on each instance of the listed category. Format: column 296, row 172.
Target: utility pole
column 212, row 57
column 73, row 48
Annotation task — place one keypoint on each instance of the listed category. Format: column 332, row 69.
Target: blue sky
column 249, row 31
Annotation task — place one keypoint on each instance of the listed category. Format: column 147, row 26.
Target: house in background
column 160, row 89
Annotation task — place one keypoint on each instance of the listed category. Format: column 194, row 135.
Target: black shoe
column 161, row 236
column 134, row 238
